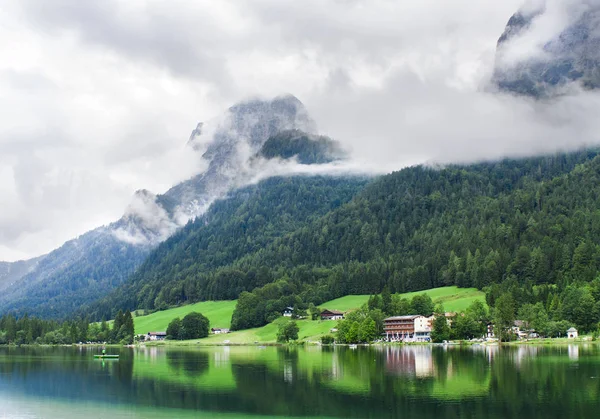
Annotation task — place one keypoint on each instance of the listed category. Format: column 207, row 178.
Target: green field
column 453, row 298
column 218, row 312
column 309, row 331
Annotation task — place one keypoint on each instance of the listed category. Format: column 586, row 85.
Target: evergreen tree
column 440, row 330
column 504, row 316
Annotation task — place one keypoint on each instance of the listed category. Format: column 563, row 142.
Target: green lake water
column 233, row 382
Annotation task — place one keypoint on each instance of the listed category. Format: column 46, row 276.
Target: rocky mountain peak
column 533, row 60
column 228, row 144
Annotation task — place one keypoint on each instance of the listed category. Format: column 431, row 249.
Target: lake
column 230, row 382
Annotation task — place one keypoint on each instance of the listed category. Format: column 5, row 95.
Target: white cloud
column 99, row 97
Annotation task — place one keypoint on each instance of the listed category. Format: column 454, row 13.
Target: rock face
column 228, row 145
column 91, row 265
column 550, row 49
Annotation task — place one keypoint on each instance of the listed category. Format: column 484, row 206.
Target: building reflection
column 415, row 361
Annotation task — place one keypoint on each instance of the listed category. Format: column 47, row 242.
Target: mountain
column 306, row 148
column 248, row 220
column 86, row 268
column 12, row 272
column 532, row 62
column 530, row 221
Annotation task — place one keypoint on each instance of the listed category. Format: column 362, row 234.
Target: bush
column 327, row 340
column 288, row 331
column 193, row 326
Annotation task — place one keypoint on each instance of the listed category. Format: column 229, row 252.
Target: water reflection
column 384, row 381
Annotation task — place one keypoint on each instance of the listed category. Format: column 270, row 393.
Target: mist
column 98, row 103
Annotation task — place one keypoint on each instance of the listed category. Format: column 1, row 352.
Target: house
column 572, row 333
column 156, row 335
column 422, row 329
column 288, row 311
column 218, row 331
column 331, row 315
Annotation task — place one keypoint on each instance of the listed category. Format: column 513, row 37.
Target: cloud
column 99, row 97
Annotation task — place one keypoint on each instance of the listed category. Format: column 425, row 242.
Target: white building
column 422, row 329
column 572, row 333
column 156, row 335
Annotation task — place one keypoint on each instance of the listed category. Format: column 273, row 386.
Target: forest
column 26, row 330
column 525, row 226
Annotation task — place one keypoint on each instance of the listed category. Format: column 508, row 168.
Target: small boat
column 106, row 356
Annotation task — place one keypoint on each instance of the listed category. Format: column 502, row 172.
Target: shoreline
column 199, row 343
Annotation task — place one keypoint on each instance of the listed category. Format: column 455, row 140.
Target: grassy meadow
column 453, row 298
column 219, row 313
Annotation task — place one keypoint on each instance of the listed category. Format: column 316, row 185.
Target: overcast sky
column 99, row 97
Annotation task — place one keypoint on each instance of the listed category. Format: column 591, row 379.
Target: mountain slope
column 91, row 265
column 534, row 221
column 12, row 272
column 250, row 219
column 531, row 62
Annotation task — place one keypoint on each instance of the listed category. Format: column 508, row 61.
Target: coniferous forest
column 527, row 227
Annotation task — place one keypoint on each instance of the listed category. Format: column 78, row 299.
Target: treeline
column 28, row 330
column 549, row 309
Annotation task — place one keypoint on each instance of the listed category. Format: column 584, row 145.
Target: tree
column 400, row 306
column 422, row 304
column 174, row 329
column 194, row 325
column 440, row 330
column 128, row 328
column 504, row 316
column 288, row 331
column 578, row 306
column 536, row 317
column 367, row 331
column 464, row 326
column 315, row 312
column 327, row 340
column 386, row 300
column 374, row 302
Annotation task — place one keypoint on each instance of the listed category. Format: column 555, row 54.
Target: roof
column 572, row 329
column 157, row 333
column 290, row 308
column 411, row 317
column 339, row 313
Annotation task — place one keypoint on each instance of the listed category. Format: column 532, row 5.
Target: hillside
column 454, row 299
column 529, row 222
column 217, row 312
column 248, row 220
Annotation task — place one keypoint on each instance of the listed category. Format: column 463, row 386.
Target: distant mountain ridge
column 91, row 265
column 571, row 55
column 11, row 272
